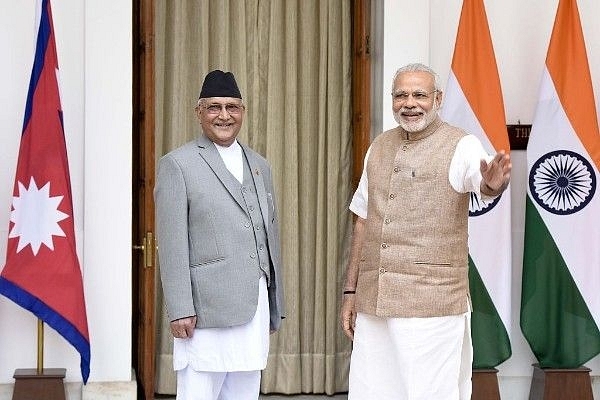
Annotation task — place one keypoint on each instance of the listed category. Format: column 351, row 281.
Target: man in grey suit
column 219, row 252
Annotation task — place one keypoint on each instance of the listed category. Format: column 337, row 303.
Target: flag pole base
column 30, row 385
column 560, row 384
column 485, row 384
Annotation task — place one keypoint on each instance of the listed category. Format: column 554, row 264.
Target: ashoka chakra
column 562, row 182
column 479, row 206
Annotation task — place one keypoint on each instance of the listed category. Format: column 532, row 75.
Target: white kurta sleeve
column 464, row 174
column 359, row 203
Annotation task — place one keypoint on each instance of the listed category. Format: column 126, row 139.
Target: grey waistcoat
column 250, row 197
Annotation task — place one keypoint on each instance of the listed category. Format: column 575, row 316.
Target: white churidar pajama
column 225, row 363
column 411, row 358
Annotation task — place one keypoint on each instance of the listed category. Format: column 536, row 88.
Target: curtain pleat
column 292, row 61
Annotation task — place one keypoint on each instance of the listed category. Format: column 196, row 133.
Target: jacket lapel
column 209, row 152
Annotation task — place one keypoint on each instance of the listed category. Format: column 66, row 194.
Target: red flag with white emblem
column 42, row 272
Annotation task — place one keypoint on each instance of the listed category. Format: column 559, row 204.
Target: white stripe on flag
column 491, row 256
column 578, row 245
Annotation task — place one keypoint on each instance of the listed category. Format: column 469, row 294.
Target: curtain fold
column 292, row 61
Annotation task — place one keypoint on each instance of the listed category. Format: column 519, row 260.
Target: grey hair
column 418, row 67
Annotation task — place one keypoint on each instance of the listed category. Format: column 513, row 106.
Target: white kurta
column 238, row 348
column 416, row 358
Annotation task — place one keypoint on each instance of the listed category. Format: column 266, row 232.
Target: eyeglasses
column 215, row 109
column 418, row 95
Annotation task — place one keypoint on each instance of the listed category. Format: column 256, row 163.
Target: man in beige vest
column 406, row 295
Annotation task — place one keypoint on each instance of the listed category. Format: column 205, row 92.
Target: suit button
column 392, row 195
column 396, row 169
column 384, row 245
column 387, row 221
column 381, row 270
column 252, row 255
column 258, row 227
column 251, row 208
column 247, row 224
column 261, row 247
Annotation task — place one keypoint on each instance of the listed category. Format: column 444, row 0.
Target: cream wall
column 94, row 50
column 425, row 31
column 94, row 54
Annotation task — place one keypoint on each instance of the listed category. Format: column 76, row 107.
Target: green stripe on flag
column 554, row 316
column 491, row 345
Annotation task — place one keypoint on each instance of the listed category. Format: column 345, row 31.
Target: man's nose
column 410, row 102
column 224, row 114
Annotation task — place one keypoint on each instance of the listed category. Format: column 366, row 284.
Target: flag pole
column 40, row 347
column 39, row 383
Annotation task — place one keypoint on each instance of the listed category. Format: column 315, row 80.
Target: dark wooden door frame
column 143, row 268
column 144, row 251
column 361, row 85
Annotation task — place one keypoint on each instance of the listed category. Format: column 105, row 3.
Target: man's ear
column 438, row 97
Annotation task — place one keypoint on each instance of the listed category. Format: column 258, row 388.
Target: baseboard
column 511, row 388
column 91, row 391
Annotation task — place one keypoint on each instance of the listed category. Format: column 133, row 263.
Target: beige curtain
column 292, row 61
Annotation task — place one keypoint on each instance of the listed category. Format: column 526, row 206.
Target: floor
column 303, row 397
column 343, row 396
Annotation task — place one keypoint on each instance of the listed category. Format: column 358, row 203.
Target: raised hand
column 496, row 173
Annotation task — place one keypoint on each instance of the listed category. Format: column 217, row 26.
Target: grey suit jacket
column 206, row 270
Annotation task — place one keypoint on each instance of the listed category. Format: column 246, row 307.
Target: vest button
column 247, row 224
column 381, row 270
column 387, row 221
column 384, row 245
column 392, row 195
column 252, row 255
column 251, row 208
column 396, row 169
column 405, row 147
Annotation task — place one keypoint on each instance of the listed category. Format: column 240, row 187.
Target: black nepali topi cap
column 219, row 84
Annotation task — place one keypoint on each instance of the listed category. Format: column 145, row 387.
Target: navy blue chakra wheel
column 562, row 182
column 478, row 206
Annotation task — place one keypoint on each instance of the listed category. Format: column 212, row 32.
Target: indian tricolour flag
column 473, row 102
column 560, row 303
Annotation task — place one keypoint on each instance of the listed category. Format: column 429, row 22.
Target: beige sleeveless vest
column 414, row 259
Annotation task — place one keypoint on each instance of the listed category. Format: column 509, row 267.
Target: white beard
column 419, row 125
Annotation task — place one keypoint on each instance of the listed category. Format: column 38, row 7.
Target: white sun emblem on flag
column 35, row 217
